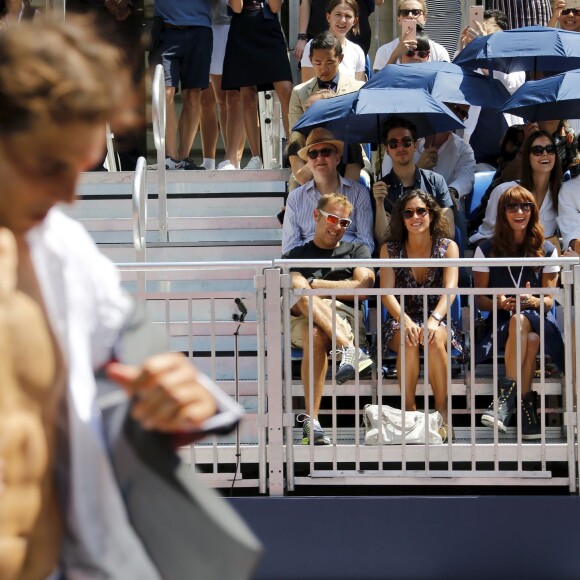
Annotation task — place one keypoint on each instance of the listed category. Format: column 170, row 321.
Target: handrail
column 139, row 209
column 159, row 121
column 111, row 157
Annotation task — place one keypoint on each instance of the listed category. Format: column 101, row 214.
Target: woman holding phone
column 408, row 11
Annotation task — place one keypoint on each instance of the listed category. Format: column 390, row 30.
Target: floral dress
column 414, row 302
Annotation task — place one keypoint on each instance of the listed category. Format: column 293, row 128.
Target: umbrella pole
column 379, row 150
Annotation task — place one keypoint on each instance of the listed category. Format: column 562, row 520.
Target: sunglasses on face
column 326, row 152
column 411, row 213
column 461, row 113
column 406, row 142
column 334, row 219
column 525, row 207
column 419, row 53
column 568, row 11
column 538, row 150
column 408, row 12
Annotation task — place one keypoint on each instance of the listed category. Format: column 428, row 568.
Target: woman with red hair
column 518, row 234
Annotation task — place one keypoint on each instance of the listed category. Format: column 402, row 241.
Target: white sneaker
column 225, row 165
column 171, row 163
column 254, row 163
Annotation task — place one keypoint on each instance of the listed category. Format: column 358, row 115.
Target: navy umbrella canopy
column 533, row 48
column 445, row 81
column 556, row 97
column 357, row 117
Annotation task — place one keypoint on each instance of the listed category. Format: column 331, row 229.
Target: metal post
column 274, row 384
column 159, row 120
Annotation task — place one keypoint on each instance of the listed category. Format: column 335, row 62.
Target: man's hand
column 380, row 190
column 167, row 395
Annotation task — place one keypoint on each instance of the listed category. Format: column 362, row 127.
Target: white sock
column 208, row 163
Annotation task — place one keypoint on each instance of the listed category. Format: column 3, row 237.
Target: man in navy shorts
column 184, row 48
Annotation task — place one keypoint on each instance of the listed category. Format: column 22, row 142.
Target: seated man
column 322, row 154
column 331, row 218
column 399, row 138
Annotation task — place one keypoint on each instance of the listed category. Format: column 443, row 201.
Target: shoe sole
column 488, row 421
column 533, row 437
column 322, row 441
column 366, row 370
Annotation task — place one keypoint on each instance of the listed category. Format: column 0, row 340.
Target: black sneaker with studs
column 531, row 426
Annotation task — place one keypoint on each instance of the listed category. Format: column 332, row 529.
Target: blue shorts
column 185, row 55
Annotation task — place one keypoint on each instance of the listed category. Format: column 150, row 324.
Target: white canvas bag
column 389, row 428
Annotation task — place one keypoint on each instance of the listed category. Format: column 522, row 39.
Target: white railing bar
column 158, row 110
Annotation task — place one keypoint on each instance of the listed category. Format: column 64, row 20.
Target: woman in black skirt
column 257, row 60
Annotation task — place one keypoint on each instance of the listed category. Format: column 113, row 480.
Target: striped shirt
column 522, row 13
column 444, row 22
column 299, row 222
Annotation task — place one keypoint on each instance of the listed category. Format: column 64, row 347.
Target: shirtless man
column 67, row 317
column 26, row 375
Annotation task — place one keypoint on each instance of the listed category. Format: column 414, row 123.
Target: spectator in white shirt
column 392, row 52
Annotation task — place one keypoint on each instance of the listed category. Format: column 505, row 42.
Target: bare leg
column 235, row 131
column 171, row 124
column 220, row 98
column 320, row 347
column 209, row 124
column 189, row 120
column 438, row 364
column 250, row 104
column 411, row 370
column 284, row 90
column 530, row 343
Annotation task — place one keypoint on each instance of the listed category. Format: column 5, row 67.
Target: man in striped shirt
column 322, row 153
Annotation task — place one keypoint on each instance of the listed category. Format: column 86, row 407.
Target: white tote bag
column 388, row 428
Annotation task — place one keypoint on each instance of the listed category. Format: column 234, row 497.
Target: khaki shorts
column 345, row 317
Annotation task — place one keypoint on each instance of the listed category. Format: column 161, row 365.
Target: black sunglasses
column 410, row 213
column 526, row 207
column 334, row 219
column 413, row 11
column 325, row 152
column 537, row 150
column 568, row 11
column 461, row 113
column 421, row 53
column 406, row 142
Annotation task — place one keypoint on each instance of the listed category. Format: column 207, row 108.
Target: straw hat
column 318, row 136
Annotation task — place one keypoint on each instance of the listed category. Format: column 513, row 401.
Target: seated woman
column 542, row 176
column 518, row 233
column 417, row 231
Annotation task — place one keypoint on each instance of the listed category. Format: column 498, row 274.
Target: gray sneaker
column 312, row 425
column 352, row 357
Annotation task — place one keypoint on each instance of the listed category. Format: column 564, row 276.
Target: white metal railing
column 479, row 456
column 139, row 209
column 158, row 109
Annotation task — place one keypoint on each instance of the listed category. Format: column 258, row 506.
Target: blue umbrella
column 533, row 48
column 445, row 81
column 557, row 97
column 364, row 113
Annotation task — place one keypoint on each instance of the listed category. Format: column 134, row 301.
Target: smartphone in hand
column 475, row 16
column 409, row 30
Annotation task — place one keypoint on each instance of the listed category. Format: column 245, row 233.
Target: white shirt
column 87, row 308
column 569, row 211
column 455, row 163
column 548, row 214
column 545, row 270
column 353, row 59
column 438, row 53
